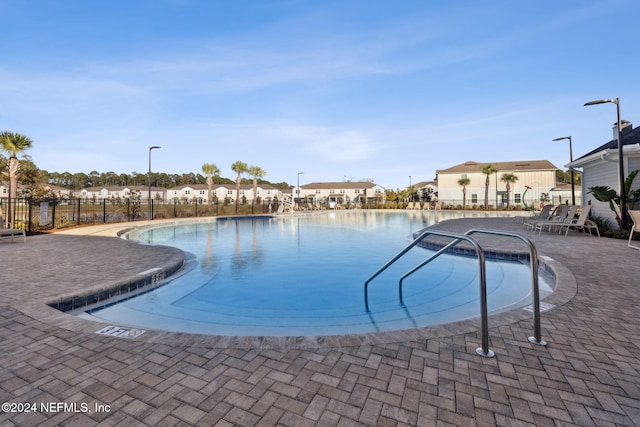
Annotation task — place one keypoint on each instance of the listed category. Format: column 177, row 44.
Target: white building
column 600, row 167
column 122, row 192
column 340, row 192
column 537, row 177
column 197, row 193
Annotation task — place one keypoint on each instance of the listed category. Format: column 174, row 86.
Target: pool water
column 304, row 275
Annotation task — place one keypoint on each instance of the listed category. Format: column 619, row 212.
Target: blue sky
column 378, row 90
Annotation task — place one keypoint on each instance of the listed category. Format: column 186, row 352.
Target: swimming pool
column 304, row 275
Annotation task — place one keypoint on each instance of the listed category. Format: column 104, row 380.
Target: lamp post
column 573, row 185
column 623, row 196
column 149, row 181
column 297, row 189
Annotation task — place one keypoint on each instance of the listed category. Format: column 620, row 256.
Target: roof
column 521, row 165
column 337, row 185
column 121, row 188
column 425, row 184
column 629, row 137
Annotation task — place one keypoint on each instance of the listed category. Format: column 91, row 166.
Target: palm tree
column 256, row 172
column 239, row 168
column 210, row 169
column 13, row 144
column 464, row 182
column 487, row 170
column 508, row 179
column 606, row 194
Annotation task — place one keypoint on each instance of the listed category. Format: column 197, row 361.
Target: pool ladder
column 466, row 237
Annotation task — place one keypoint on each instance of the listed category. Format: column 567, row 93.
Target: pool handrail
column 535, row 287
column 533, row 260
column 484, row 319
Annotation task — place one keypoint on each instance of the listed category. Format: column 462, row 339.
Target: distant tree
column 508, row 179
column 464, row 182
column 210, row 170
column 487, row 170
column 256, row 172
column 13, row 144
column 239, row 168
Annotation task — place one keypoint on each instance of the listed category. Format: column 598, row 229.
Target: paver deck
column 588, row 375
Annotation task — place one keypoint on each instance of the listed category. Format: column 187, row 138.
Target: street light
column 149, row 180
column 573, row 185
column 623, row 196
column 298, row 188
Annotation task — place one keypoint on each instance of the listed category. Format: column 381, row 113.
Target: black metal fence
column 45, row 214
column 39, row 215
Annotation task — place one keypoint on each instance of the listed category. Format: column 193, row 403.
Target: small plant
column 607, row 194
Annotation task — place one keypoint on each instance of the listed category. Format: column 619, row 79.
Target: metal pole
column 573, row 180
column 623, row 195
column 573, row 185
column 150, row 212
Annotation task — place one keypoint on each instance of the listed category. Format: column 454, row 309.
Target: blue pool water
column 304, row 275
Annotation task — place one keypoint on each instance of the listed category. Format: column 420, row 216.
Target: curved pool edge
column 565, row 289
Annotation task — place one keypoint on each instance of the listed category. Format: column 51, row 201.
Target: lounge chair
column 582, row 223
column 558, row 211
column 438, row 206
column 11, row 232
column 566, row 216
column 409, row 205
column 635, row 216
column 542, row 215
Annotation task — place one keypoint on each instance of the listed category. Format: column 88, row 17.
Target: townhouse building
column 537, row 177
column 340, row 192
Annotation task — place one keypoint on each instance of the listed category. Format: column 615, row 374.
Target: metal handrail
column 484, row 318
column 533, row 259
column 535, row 288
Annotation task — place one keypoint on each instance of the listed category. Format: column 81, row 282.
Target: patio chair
column 11, row 232
column 544, row 214
column 557, row 213
column 582, row 222
column 565, row 217
column 409, row 205
column 635, row 216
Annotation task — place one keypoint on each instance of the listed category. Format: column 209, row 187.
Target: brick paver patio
column 588, row 375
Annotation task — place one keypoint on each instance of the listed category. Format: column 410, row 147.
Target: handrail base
column 488, row 354
column 533, row 340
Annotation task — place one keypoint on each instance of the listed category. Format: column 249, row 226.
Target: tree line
column 25, row 172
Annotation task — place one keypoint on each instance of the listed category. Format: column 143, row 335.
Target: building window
column 342, row 191
column 332, row 191
column 517, row 198
column 474, row 198
column 318, row 191
column 463, row 176
column 357, row 191
column 187, row 192
column 230, row 192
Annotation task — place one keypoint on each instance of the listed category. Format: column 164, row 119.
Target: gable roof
column 629, row 137
column 522, row 165
column 337, row 185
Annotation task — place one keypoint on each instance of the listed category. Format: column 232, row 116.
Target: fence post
column 53, row 213
column 29, row 201
column 79, row 200
column 128, row 209
column 104, row 211
column 175, row 211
